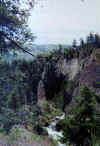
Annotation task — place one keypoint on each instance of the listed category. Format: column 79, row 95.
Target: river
column 51, row 129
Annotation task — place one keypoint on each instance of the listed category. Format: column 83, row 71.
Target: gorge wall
column 61, row 80
column 54, row 78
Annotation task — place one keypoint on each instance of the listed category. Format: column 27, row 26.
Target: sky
column 61, row 21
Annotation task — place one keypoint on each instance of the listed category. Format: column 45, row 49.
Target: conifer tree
column 74, row 43
column 14, row 100
column 13, row 23
column 82, row 126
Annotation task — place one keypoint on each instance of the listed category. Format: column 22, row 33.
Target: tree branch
column 17, row 45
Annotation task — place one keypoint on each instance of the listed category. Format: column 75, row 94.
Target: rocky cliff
column 61, row 79
column 57, row 80
column 90, row 73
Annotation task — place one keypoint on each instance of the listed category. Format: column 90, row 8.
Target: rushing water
column 51, row 129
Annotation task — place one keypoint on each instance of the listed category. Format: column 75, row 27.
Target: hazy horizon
column 61, row 21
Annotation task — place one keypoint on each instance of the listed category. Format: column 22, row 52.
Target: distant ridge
column 34, row 49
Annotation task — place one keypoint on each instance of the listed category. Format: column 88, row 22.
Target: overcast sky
column 61, row 21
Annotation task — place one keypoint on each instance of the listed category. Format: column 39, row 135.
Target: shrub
column 8, row 119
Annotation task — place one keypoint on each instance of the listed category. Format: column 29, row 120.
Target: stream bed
column 52, row 132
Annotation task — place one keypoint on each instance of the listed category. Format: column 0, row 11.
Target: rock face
column 41, row 90
column 51, row 79
column 70, row 68
column 90, row 75
column 53, row 76
column 76, row 72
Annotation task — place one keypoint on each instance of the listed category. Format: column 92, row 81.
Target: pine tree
column 14, row 100
column 74, row 44
column 82, row 126
column 82, row 43
column 97, row 40
column 13, row 23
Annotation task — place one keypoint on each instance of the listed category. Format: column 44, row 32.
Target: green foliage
column 18, row 90
column 97, row 55
column 8, row 119
column 82, row 126
column 14, row 100
column 13, row 23
column 59, row 100
column 69, row 85
column 19, row 81
column 54, row 143
column 14, row 135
